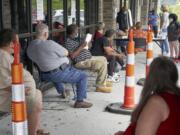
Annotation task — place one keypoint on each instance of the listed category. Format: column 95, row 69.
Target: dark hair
column 123, row 9
column 153, row 12
column 6, row 37
column 163, row 77
column 71, row 29
column 109, row 33
column 138, row 25
column 174, row 17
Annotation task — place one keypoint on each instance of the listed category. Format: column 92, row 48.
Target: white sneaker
column 114, row 78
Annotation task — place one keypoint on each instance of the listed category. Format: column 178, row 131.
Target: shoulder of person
column 5, row 58
column 52, row 41
column 157, row 103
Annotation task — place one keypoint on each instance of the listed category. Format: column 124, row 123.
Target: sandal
column 42, row 132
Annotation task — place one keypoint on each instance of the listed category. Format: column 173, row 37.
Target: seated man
column 103, row 47
column 139, row 37
column 54, row 64
column 83, row 59
column 122, row 45
column 33, row 96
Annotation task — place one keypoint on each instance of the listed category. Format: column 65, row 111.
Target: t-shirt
column 153, row 19
column 48, row 55
column 71, row 45
column 138, row 33
column 165, row 20
column 98, row 46
column 97, row 35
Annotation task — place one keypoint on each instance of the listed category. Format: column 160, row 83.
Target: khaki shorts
column 30, row 101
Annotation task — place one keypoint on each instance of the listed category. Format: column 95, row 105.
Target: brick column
column 100, row 10
column 109, row 13
column 6, row 14
column 144, row 12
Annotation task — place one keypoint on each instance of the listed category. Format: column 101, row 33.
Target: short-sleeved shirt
column 153, row 19
column 139, row 33
column 48, row 55
column 5, row 80
column 98, row 46
column 71, row 45
column 165, row 20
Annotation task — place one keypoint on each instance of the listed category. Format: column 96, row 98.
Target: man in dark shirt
column 122, row 19
column 103, row 47
column 83, row 59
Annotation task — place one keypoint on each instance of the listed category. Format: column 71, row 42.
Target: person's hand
column 121, row 56
column 27, row 91
column 119, row 133
column 84, row 44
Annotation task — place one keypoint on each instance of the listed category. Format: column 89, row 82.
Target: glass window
column 19, row 16
column 82, row 13
column 58, row 21
column 71, row 11
column 57, row 11
column 39, row 12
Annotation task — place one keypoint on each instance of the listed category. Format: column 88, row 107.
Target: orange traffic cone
column 129, row 103
column 19, row 115
column 130, row 79
column 149, row 54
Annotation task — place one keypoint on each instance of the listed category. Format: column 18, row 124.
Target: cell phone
column 88, row 37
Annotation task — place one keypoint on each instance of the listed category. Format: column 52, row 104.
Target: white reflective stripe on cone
column 130, row 59
column 18, row 92
column 130, row 81
column 149, row 61
column 150, row 46
column 20, row 128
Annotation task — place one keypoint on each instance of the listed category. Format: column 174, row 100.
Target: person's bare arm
column 111, row 51
column 154, row 112
column 121, row 33
column 75, row 53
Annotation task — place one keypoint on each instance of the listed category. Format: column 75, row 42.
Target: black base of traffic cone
column 119, row 109
column 3, row 114
column 141, row 82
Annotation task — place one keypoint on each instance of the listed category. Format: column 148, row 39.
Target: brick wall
column 109, row 7
column 144, row 12
column 6, row 14
column 100, row 11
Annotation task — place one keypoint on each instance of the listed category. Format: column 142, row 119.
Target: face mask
column 170, row 20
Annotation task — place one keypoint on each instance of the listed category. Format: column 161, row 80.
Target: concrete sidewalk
column 61, row 119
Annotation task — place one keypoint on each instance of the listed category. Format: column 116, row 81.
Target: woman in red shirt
column 158, row 110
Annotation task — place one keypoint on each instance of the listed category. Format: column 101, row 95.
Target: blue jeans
column 68, row 75
column 165, row 46
column 165, row 43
